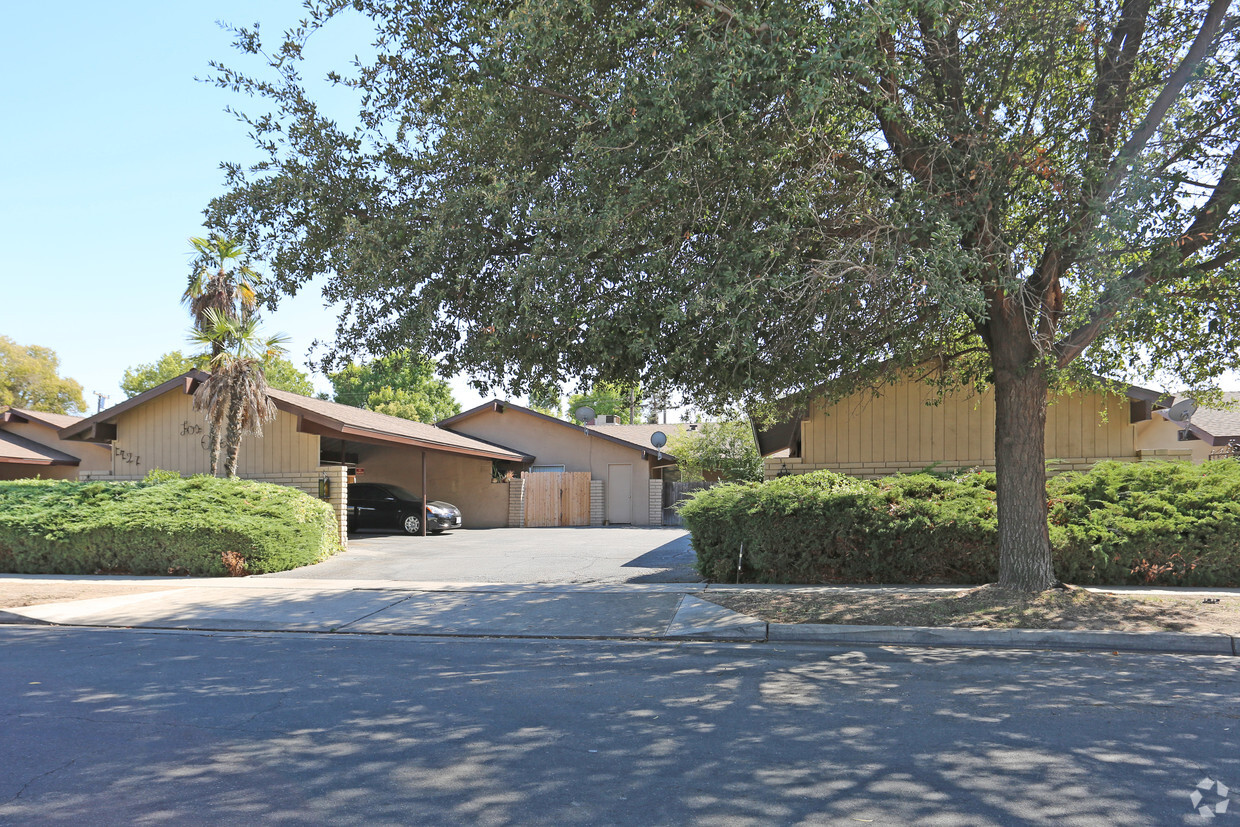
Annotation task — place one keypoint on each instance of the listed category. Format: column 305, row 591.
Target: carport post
column 426, row 501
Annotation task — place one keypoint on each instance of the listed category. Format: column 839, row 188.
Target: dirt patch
column 17, row 593
column 986, row 607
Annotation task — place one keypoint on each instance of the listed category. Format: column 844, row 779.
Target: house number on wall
column 127, row 456
column 190, row 429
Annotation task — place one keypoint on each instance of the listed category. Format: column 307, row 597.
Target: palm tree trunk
column 232, row 436
column 213, row 444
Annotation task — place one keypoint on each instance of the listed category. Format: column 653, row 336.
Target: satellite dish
column 658, row 439
column 584, row 414
column 1182, row 411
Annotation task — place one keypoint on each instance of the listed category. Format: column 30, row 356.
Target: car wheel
column 412, row 524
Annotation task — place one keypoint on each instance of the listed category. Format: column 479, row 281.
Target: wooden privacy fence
column 554, row 499
column 674, row 493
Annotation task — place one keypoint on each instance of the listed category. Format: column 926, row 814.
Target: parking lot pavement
column 611, row 555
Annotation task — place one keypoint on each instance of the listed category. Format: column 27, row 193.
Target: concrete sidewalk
column 672, row 611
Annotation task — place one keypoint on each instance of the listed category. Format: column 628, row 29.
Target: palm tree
column 220, row 281
column 223, row 283
column 235, row 397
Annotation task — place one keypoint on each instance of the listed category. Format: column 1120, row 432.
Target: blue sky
column 110, row 151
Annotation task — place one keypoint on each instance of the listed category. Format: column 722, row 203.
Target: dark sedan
column 380, row 505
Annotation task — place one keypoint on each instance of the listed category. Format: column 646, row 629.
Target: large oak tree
column 754, row 200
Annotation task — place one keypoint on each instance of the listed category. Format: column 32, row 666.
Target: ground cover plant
column 165, row 525
column 1167, row 524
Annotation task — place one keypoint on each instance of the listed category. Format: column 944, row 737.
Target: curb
column 1167, row 642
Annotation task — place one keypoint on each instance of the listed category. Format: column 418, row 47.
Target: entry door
column 619, row 494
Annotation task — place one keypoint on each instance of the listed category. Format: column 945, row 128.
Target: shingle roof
column 353, row 420
column 639, row 435
column 22, row 451
column 638, row 440
column 52, row 420
column 326, row 419
column 1216, row 426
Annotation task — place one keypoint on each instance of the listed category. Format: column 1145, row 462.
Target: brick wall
column 773, row 466
column 597, row 504
column 656, row 502
column 516, row 502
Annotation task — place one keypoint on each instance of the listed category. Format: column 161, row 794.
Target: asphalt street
column 106, row 726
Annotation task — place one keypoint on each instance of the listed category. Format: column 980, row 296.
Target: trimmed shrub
column 1172, row 524
column 200, row 526
column 1164, row 524
column 829, row 528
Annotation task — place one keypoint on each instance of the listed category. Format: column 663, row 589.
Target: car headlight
column 436, row 511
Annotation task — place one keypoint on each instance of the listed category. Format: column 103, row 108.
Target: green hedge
column 1122, row 523
column 200, row 526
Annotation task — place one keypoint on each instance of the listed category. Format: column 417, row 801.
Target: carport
column 430, row 461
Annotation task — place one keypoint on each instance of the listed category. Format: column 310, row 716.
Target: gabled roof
column 611, row 433
column 1214, row 426
column 320, row 417
column 18, row 450
column 51, row 420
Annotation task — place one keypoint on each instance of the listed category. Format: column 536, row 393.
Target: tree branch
column 1161, row 266
column 1062, row 252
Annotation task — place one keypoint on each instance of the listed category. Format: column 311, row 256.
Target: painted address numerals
column 127, row 456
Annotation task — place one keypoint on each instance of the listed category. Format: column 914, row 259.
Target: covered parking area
column 431, row 462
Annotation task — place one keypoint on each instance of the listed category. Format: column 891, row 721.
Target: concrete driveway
column 515, row 555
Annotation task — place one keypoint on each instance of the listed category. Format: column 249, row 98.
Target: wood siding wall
column 900, row 430
column 168, row 433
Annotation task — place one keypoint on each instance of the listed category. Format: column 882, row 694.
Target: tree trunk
column 232, row 433
column 1020, row 465
column 213, row 445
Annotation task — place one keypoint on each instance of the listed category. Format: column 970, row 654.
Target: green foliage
column 1169, row 524
column 281, row 373
column 29, row 378
column 727, row 198
column 200, row 526
column 609, row 399
column 141, row 378
column 399, row 384
column 1164, row 524
column 722, row 449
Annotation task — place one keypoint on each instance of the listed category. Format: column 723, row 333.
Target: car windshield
column 401, row 494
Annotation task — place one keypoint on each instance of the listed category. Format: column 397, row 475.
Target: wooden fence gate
column 553, row 499
column 674, row 493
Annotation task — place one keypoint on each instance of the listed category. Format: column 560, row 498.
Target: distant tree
column 235, row 398
column 546, row 399
column 30, row 378
column 723, row 448
column 609, row 399
column 400, row 384
column 281, row 373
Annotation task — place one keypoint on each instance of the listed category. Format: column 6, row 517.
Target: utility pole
column 103, row 399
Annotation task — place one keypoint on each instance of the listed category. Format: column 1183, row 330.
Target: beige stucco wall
column 553, row 443
column 166, row 432
column 463, row 481
column 899, row 432
column 1159, row 434
column 93, row 457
